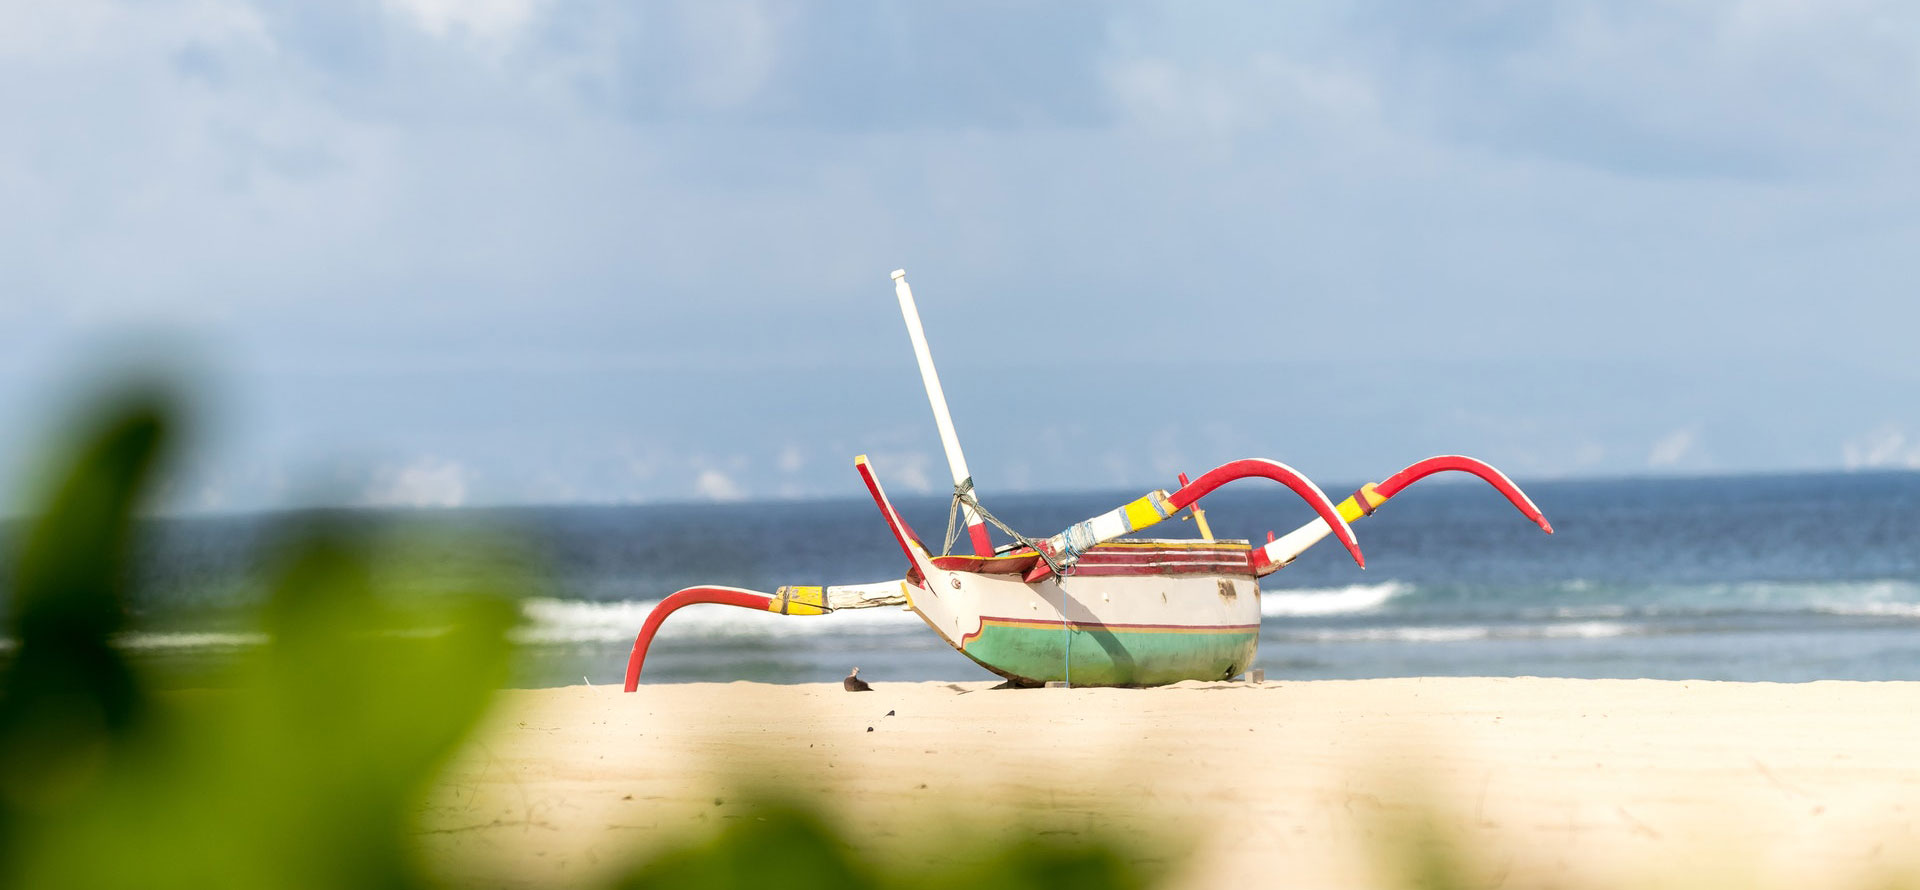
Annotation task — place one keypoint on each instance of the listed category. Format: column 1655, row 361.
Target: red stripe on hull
column 1186, row 561
column 1124, row 558
column 1047, row 624
column 1238, row 570
column 1229, row 557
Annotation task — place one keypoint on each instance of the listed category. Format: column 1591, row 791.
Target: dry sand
column 1584, row 783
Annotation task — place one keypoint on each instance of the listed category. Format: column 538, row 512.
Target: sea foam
column 1315, row 602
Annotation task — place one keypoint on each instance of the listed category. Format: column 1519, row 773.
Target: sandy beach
column 1534, row 782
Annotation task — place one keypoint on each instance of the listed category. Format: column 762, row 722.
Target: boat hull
column 1033, row 653
column 1135, row 613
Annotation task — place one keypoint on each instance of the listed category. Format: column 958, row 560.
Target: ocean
column 1776, row 578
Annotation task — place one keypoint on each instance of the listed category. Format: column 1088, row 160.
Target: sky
column 442, row 253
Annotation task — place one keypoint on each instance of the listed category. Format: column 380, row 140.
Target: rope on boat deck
column 963, row 494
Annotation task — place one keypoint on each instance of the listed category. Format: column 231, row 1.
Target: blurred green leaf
column 68, row 699
column 770, row 845
column 306, row 773
column 1037, row 864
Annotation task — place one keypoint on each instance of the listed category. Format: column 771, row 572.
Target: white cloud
column 1589, row 454
column 791, row 459
column 72, row 30
column 427, row 482
column 1879, row 450
column 489, row 21
column 908, row 471
column 736, row 46
column 1671, row 449
column 1213, row 100
column 714, row 485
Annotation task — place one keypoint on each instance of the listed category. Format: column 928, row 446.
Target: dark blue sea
column 1783, row 578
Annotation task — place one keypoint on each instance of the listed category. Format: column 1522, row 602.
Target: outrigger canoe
column 1089, row 606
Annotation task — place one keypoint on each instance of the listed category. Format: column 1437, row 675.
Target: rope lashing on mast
column 963, row 496
column 961, row 490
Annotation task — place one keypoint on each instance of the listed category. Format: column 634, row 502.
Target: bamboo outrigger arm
column 1066, row 547
column 1280, row 551
column 791, row 600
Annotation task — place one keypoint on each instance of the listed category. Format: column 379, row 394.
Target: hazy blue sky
column 432, row 251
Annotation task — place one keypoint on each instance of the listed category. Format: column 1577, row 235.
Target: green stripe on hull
column 1106, row 656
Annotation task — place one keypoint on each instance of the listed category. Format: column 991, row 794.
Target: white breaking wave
column 1462, row 633
column 1888, row 597
column 1587, row 630
column 1895, row 610
column 1891, row 597
column 1308, row 602
column 1390, row 635
column 577, row 621
column 1608, row 611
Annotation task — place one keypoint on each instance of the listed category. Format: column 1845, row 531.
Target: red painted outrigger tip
column 725, row 596
column 1399, row 481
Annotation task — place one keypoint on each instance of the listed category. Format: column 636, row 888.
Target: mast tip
column 899, row 274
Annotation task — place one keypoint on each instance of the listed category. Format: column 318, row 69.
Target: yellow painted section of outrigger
column 799, row 601
column 1361, row 503
column 1147, row 510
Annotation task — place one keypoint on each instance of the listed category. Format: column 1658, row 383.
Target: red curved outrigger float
column 1089, row 605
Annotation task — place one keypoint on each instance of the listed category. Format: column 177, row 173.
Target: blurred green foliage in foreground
column 304, row 773
column 787, row 846
column 309, row 767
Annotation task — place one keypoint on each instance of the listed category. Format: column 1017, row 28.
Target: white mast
column 957, row 462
